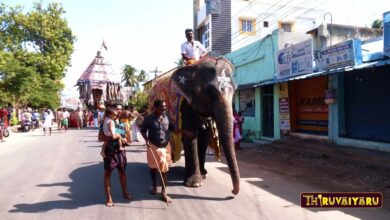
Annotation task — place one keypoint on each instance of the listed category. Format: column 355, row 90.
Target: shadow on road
column 86, row 188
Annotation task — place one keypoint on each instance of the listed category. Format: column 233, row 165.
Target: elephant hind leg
column 190, row 123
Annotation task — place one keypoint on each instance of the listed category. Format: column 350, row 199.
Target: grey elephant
column 195, row 94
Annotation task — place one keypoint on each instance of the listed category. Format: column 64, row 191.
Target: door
column 268, row 111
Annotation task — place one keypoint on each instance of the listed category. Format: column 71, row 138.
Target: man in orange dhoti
column 156, row 132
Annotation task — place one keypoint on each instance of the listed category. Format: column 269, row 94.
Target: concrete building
column 227, row 25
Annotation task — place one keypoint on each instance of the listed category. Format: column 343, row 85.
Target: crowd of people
column 119, row 127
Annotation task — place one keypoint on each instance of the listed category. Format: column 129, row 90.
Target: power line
column 250, row 4
column 289, row 12
column 263, row 20
column 261, row 14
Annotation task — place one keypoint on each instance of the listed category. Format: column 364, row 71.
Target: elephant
column 194, row 94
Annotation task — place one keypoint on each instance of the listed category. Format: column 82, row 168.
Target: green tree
column 141, row 76
column 129, row 77
column 180, row 62
column 139, row 99
column 35, row 50
column 377, row 23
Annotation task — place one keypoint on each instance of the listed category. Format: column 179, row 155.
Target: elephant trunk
column 223, row 117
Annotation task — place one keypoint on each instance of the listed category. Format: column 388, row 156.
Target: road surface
column 61, row 177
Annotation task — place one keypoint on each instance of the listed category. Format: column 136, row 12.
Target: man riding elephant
column 192, row 50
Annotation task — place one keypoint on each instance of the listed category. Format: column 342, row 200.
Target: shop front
column 308, row 111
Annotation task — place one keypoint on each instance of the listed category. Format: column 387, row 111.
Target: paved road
column 61, row 177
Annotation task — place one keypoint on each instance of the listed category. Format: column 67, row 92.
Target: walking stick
column 159, row 171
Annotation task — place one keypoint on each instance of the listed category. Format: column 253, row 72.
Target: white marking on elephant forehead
column 182, row 79
column 224, row 82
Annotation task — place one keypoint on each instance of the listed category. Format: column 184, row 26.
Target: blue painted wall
column 255, row 63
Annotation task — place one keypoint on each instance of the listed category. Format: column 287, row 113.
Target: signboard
column 344, row 54
column 283, row 105
column 295, row 60
column 386, row 34
column 284, row 108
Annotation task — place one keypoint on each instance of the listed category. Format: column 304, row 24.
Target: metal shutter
column 367, row 104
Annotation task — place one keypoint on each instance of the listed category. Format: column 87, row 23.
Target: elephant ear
column 189, row 79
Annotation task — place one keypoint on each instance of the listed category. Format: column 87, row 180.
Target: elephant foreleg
column 192, row 173
column 203, row 140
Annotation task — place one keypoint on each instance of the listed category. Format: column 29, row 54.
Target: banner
column 284, row 107
column 295, row 60
column 344, row 54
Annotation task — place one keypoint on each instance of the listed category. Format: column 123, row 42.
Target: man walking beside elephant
column 156, row 132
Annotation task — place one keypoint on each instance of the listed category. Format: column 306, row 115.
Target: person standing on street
column 101, row 114
column 48, row 121
column 35, row 119
column 192, row 50
column 65, row 119
column 114, row 156
column 79, row 118
column 3, row 119
column 156, row 132
column 95, row 118
column 59, row 118
column 85, row 118
column 10, row 110
column 134, row 116
column 125, row 118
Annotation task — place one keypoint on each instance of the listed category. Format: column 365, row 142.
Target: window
column 247, row 25
column 206, row 36
column 286, row 27
column 247, row 102
column 204, row 32
column 265, row 24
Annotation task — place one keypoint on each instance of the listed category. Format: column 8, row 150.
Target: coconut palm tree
column 180, row 62
column 128, row 76
column 142, row 76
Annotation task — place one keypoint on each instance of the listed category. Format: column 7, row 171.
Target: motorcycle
column 35, row 123
column 5, row 130
column 26, row 126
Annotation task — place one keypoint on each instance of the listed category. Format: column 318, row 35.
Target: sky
column 147, row 34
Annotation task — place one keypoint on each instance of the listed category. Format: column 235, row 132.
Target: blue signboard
column 344, row 54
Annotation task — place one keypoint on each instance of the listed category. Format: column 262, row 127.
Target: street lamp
column 331, row 23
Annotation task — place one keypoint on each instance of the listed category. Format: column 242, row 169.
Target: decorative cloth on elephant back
column 163, row 89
